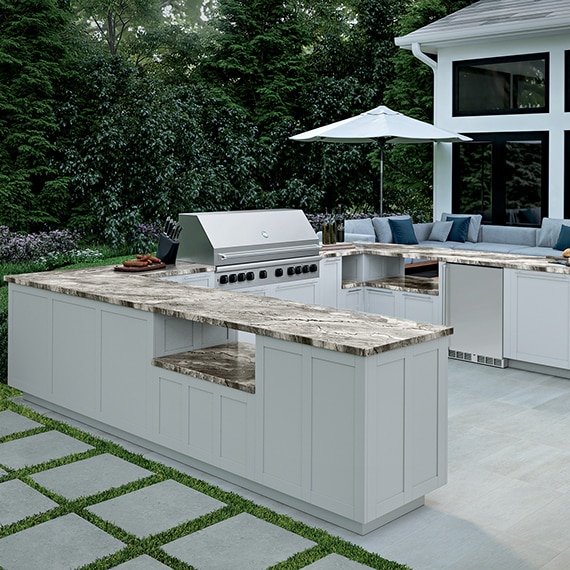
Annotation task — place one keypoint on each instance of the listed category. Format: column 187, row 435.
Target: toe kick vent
column 478, row 358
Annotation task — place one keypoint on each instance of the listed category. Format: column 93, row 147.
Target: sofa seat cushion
column 440, row 244
column 538, row 251
column 489, row 247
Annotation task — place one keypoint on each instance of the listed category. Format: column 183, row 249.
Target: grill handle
column 276, row 250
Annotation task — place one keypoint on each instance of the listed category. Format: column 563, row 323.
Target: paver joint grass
column 151, row 546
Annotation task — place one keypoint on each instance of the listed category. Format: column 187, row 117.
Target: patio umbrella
column 381, row 126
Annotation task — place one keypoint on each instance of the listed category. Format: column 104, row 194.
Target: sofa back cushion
column 474, row 224
column 363, row 226
column 383, row 230
column 510, row 234
column 547, row 235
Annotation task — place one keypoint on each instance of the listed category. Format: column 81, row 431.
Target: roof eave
column 431, row 44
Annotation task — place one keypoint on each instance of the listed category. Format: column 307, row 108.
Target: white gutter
column 417, row 51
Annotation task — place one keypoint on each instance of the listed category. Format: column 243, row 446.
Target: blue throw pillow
column 460, row 228
column 403, row 231
column 563, row 238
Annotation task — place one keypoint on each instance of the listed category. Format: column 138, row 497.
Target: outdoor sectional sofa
column 547, row 240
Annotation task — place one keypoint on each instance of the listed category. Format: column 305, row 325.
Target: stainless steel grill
column 251, row 247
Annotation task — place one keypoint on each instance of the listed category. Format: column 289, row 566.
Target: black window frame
column 498, row 176
column 457, row 65
column 567, row 82
column 566, row 174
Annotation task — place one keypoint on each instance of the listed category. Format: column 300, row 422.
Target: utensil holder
column 167, row 249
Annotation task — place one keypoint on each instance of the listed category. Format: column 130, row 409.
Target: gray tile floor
column 506, row 505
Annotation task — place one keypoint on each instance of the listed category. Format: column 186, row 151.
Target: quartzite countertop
column 464, row 257
column 340, row 331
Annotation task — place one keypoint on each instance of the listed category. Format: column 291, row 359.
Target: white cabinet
column 352, row 299
column 362, row 437
column 537, row 317
column 330, row 282
column 380, row 301
column 421, row 308
column 403, row 305
column 299, row 291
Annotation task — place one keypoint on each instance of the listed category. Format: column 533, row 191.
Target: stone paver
column 336, row 562
column 11, row 422
column 63, row 543
column 90, row 476
column 19, row 501
column 39, row 448
column 156, row 508
column 143, row 562
column 247, row 541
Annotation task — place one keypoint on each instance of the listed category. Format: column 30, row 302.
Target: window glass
column 523, row 182
column 503, row 177
column 474, row 169
column 501, row 85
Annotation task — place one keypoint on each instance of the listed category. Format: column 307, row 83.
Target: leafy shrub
column 17, row 247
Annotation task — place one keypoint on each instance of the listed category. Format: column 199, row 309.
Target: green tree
column 33, row 56
column 137, row 149
column 112, row 21
column 409, row 168
column 258, row 60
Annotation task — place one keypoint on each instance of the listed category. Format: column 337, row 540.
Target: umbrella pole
column 381, row 179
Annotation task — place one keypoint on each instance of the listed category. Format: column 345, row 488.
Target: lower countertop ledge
column 407, row 284
column 231, row 365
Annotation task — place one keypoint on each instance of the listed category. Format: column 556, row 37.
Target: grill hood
column 248, row 236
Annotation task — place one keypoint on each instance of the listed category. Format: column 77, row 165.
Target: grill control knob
column 313, row 267
column 223, row 279
column 250, row 275
column 233, row 277
column 279, row 272
column 241, row 276
column 305, row 269
column 298, row 269
column 290, row 271
column 263, row 274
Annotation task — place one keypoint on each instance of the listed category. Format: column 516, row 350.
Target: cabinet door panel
column 539, row 309
column 381, row 302
column 420, row 308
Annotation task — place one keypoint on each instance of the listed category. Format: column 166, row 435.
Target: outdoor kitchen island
column 340, row 414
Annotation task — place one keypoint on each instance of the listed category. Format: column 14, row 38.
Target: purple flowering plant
column 49, row 249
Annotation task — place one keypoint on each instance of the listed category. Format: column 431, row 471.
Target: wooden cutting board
column 138, row 269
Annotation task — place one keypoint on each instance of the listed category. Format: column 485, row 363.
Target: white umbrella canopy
column 381, row 126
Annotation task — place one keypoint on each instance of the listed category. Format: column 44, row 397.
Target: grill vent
column 478, row 358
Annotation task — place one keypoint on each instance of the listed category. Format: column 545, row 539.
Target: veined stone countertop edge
column 336, row 330
column 464, row 257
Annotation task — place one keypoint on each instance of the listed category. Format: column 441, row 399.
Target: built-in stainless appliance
column 251, row 247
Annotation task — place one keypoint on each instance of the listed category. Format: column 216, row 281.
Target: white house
column 502, row 77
